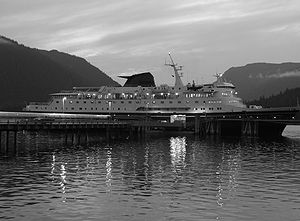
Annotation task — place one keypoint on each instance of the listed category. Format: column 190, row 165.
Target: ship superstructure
column 140, row 97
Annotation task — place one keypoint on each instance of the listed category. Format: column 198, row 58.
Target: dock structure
column 268, row 123
column 74, row 131
column 260, row 123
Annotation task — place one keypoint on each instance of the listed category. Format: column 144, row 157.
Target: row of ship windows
column 80, row 108
column 137, row 102
column 210, row 108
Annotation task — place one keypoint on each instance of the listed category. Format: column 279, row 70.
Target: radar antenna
column 176, row 68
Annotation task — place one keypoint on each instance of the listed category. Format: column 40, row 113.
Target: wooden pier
column 268, row 123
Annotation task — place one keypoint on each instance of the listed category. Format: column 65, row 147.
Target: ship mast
column 176, row 68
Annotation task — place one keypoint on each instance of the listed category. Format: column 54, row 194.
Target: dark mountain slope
column 81, row 68
column 288, row 98
column 28, row 74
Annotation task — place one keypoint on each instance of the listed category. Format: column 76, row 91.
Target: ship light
column 161, row 94
column 176, row 94
column 147, row 94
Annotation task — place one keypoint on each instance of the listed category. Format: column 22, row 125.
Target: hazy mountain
column 263, row 79
column 31, row 75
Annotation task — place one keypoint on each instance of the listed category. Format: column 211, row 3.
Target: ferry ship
column 140, row 95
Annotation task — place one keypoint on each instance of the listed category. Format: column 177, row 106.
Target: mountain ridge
column 263, row 79
column 30, row 74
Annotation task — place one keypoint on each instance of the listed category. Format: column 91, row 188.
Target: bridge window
column 196, row 102
column 171, row 102
column 77, row 102
column 179, row 102
column 84, row 102
column 162, row 102
column 57, row 102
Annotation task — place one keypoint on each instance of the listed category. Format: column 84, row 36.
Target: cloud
column 205, row 34
column 285, row 74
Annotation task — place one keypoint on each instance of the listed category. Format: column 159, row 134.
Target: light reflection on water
column 162, row 178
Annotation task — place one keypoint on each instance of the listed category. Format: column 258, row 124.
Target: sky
column 130, row 36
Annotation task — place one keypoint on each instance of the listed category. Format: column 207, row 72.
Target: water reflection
column 227, row 173
column 63, row 175
column 169, row 178
column 108, row 166
column 178, row 152
column 53, row 167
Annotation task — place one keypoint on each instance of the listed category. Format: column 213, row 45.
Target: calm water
column 161, row 178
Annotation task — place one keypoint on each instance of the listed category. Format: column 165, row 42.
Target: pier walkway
column 270, row 123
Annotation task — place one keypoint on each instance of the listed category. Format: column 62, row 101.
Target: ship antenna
column 176, row 68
